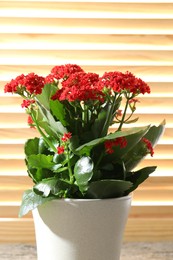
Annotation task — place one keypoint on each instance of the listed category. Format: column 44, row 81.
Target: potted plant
column 80, row 166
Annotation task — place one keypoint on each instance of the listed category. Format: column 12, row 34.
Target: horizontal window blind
column 100, row 36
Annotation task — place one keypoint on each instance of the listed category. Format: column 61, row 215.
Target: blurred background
column 99, row 36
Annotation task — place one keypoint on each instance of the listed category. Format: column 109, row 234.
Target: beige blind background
column 100, row 36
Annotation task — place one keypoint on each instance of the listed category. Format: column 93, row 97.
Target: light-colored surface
column 130, row 251
column 147, row 251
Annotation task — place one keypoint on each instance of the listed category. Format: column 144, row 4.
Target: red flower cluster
column 80, row 86
column 30, row 122
column 60, row 149
column 32, row 82
column 14, row 83
column 62, row 72
column 148, row 146
column 118, row 81
column 27, row 103
column 121, row 141
column 65, row 138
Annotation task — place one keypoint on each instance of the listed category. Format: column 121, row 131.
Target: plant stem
column 109, row 118
column 85, row 116
column 43, row 135
column 124, row 114
column 69, row 168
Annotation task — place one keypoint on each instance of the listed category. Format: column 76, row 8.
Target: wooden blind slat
column 23, row 134
column 163, row 190
column 148, row 73
column 145, row 103
column 107, row 57
column 153, row 229
column 19, row 119
column 85, row 42
column 86, row 9
column 137, row 212
column 89, row 26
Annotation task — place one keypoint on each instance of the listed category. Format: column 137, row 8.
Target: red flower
column 27, row 103
column 108, row 146
column 49, row 79
column 121, row 141
column 148, row 146
column 14, row 83
column 64, row 71
column 30, row 122
column 60, row 149
column 34, row 83
column 118, row 81
column 66, row 137
column 80, row 86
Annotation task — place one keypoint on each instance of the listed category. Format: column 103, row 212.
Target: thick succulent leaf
column 111, row 110
column 50, row 185
column 53, row 186
column 107, row 189
column 30, row 201
column 35, row 146
column 137, row 133
column 74, row 142
column 58, row 111
column 41, row 166
column 48, row 118
column 44, row 115
column 45, row 97
column 41, row 161
column 99, row 123
column 139, row 176
column 32, row 146
column 133, row 158
column 45, row 187
column 83, row 172
column 120, row 153
column 155, row 133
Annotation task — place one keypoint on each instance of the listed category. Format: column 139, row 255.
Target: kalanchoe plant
column 76, row 155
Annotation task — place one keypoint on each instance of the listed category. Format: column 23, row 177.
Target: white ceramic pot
column 74, row 229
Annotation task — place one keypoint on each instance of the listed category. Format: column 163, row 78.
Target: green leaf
column 45, row 97
column 134, row 156
column 155, row 133
column 139, row 176
column 53, row 186
column 99, row 123
column 49, row 123
column 83, row 172
column 41, row 161
column 137, row 133
column 32, row 146
column 35, row 146
column 46, row 186
column 58, row 111
column 30, row 201
column 104, row 189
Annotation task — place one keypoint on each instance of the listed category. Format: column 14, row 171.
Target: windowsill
column 130, row 251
